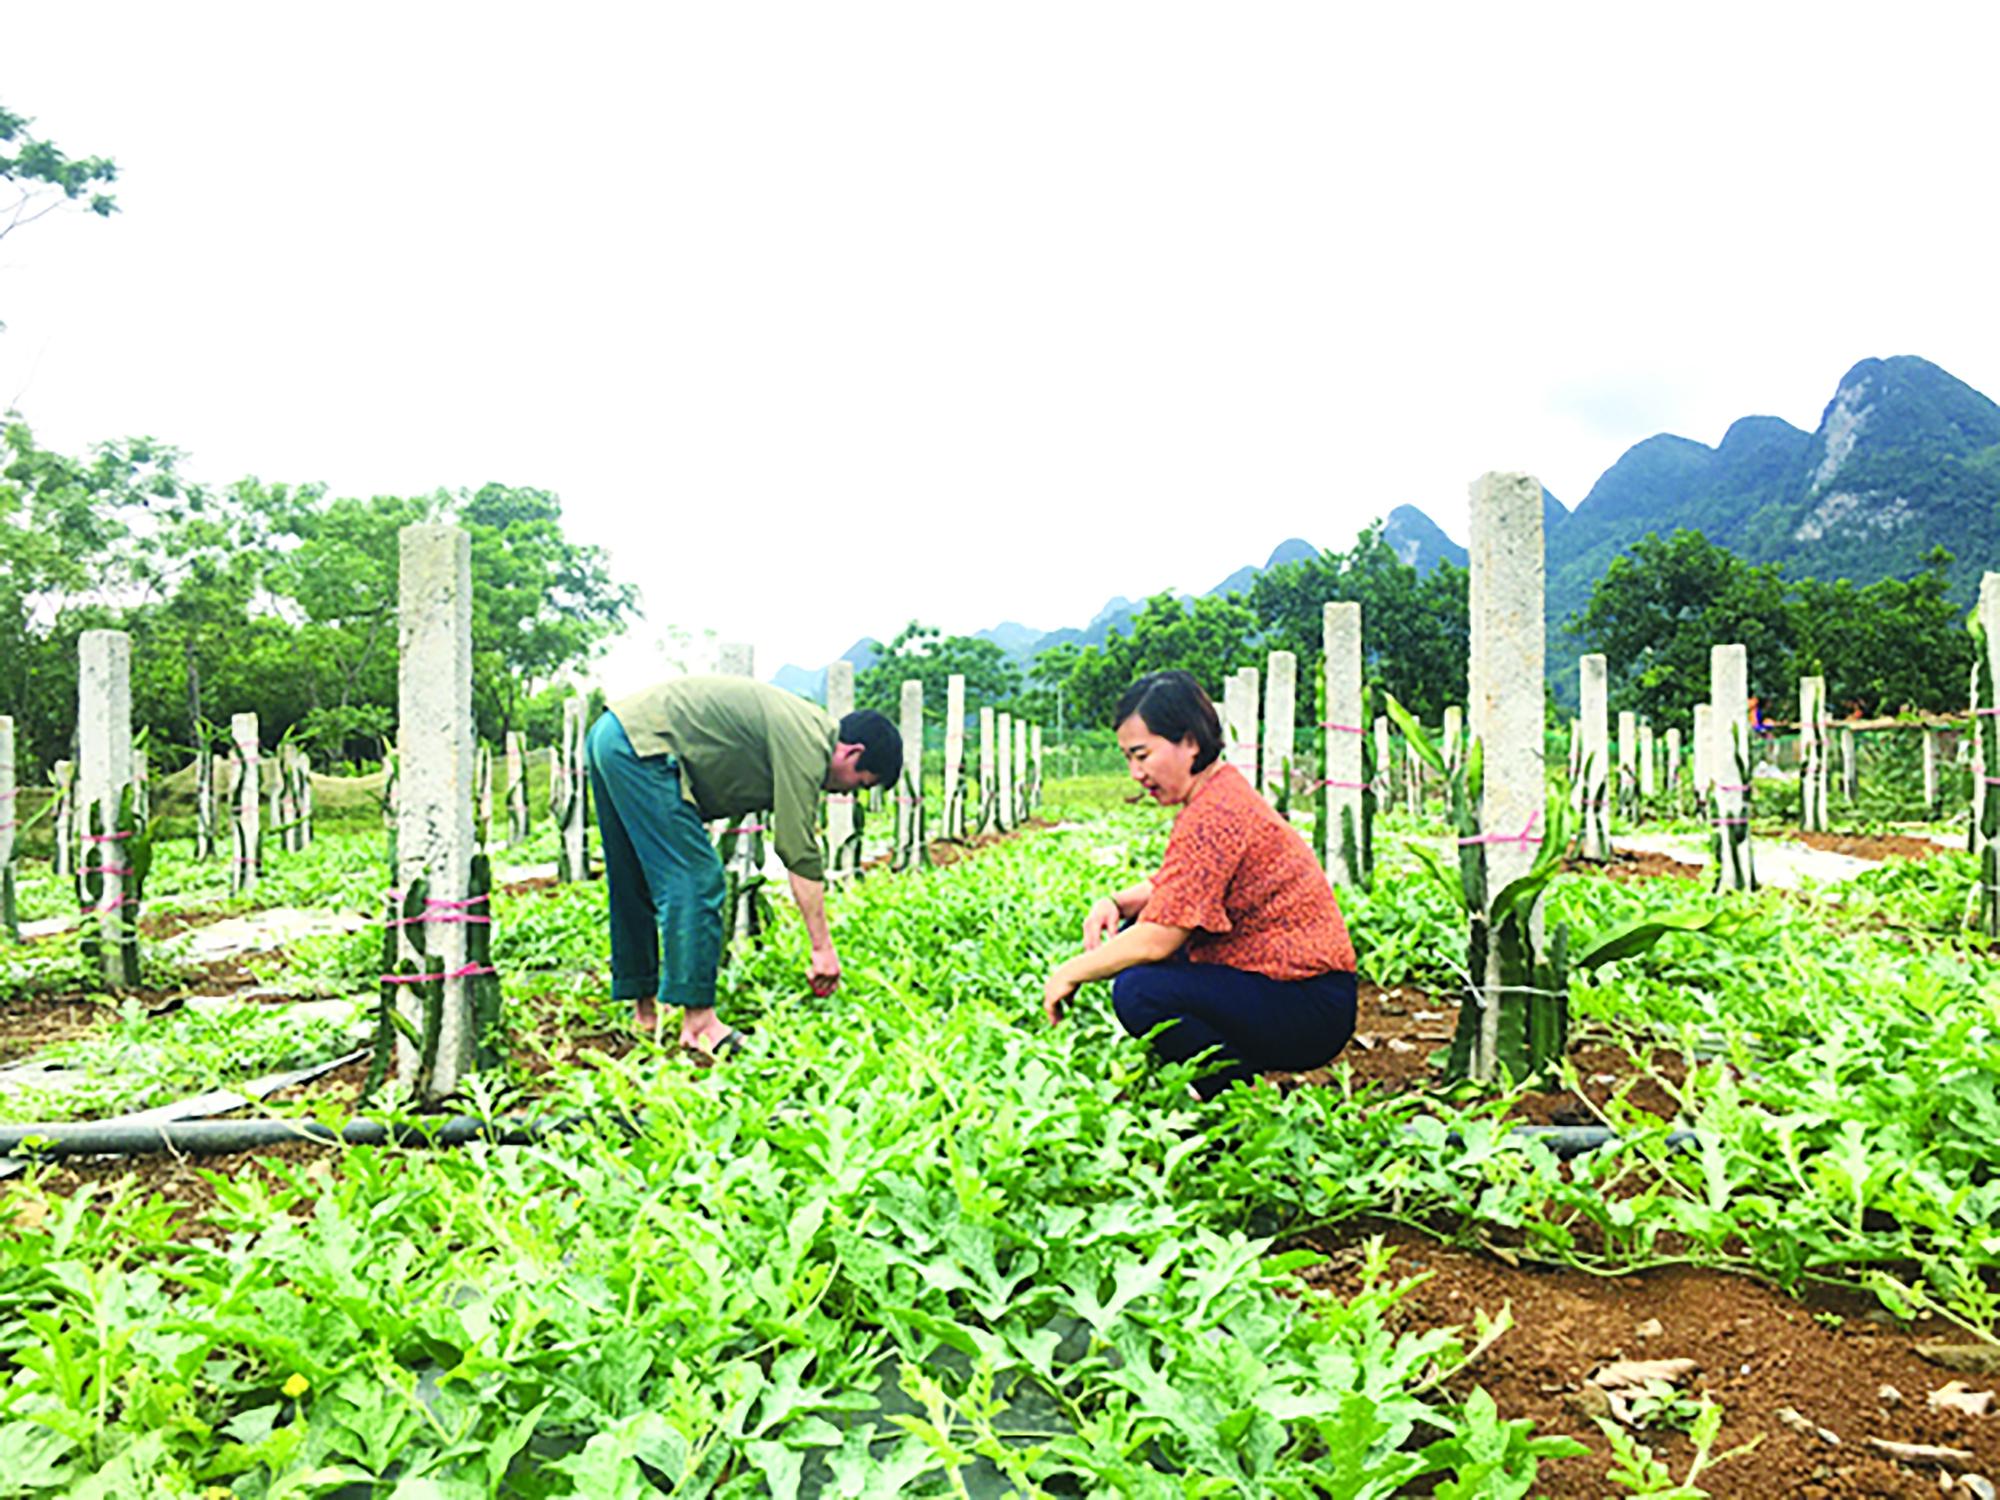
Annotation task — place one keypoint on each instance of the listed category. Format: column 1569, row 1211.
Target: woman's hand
column 1101, row 922
column 1056, row 993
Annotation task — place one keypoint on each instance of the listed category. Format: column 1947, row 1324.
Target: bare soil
column 1759, row 1352
column 1627, row 865
column 1399, row 1032
column 1869, row 845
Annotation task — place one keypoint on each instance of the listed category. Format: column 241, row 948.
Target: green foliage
column 268, row 595
column 1209, row 637
column 1894, row 644
column 42, row 176
column 923, row 653
column 1414, row 625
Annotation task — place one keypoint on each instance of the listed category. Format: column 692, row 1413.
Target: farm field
column 916, row 1241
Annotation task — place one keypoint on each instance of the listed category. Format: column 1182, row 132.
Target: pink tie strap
column 460, row 973
column 1342, row 728
column 1525, row 836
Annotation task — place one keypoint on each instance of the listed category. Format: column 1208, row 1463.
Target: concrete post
column 246, row 834
column 910, row 846
column 569, row 795
column 1385, row 781
column 954, row 757
column 1575, row 763
column 1281, row 675
column 1239, row 722
column 1649, row 782
column 1593, row 686
column 10, row 819
column 1020, row 765
column 989, row 785
column 1505, row 699
column 1986, row 752
column 1343, row 832
column 1850, row 769
column 1004, row 732
column 1035, row 773
column 483, row 778
column 1812, row 754
column 63, row 778
column 1704, row 767
column 736, row 659
column 843, row 849
column 1729, row 759
column 104, row 777
column 515, row 753
column 1454, row 735
column 204, row 797
column 1628, row 766
column 1930, row 771
column 1674, row 768
column 435, row 842
column 278, row 798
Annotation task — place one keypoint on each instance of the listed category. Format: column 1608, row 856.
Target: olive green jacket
column 743, row 747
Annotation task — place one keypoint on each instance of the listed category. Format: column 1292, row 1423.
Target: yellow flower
column 297, row 1386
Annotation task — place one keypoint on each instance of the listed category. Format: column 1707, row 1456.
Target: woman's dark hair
column 881, row 744
column 1173, row 706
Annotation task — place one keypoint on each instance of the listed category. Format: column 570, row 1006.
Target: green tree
column 1209, row 637
column 924, row 653
column 1414, row 625
column 1660, row 607
column 540, row 602
column 42, row 177
column 1896, row 643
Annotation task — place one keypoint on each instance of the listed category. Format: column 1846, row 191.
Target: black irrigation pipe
column 215, row 1137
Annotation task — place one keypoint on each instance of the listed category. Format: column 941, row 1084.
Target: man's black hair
column 881, row 744
column 1173, row 706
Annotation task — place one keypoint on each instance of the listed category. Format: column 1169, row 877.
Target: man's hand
column 1101, row 923
column 1055, row 994
column 823, row 974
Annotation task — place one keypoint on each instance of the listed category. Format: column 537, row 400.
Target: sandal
column 728, row 1044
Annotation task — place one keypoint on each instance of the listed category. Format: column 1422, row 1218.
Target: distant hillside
column 1905, row 458
column 812, row 683
column 1418, row 541
column 1023, row 643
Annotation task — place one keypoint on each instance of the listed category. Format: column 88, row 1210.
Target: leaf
column 1634, row 938
column 1413, row 732
column 32, row 1457
column 1432, row 861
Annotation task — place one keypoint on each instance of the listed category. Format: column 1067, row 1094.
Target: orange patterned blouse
column 1246, row 884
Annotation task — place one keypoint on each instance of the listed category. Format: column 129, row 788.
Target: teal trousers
column 662, row 878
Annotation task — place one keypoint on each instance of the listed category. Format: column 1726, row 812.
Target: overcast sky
column 824, row 317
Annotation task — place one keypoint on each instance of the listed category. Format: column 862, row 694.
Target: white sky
column 822, row 317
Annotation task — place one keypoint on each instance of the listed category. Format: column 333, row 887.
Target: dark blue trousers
column 1248, row 1024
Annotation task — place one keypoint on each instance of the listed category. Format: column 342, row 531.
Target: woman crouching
column 1236, row 946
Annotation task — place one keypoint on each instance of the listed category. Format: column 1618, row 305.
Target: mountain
column 1023, row 643
column 1418, row 541
column 812, row 683
column 1010, row 636
column 1289, row 550
column 1906, row 457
